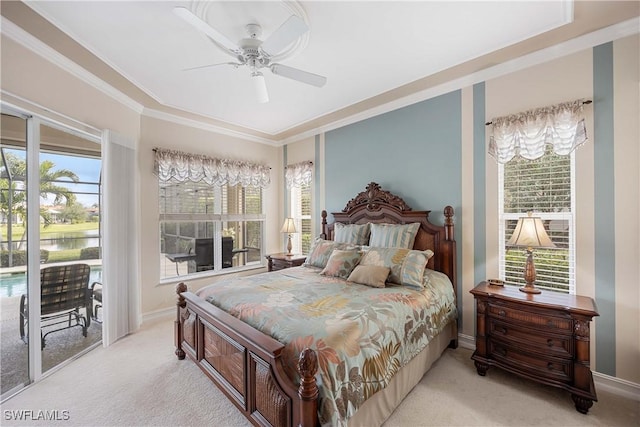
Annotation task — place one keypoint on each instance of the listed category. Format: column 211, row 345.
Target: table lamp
column 530, row 234
column 288, row 227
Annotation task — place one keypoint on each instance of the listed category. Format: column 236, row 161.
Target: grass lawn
column 18, row 230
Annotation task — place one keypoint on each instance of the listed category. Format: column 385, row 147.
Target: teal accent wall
column 479, row 184
column 414, row 152
column 604, row 204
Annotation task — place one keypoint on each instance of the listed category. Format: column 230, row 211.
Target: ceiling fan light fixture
column 260, row 86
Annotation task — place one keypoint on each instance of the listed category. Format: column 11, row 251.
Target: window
column 301, row 214
column 544, row 186
column 209, row 228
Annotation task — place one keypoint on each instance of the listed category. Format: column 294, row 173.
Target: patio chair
column 204, row 253
column 96, row 294
column 64, row 291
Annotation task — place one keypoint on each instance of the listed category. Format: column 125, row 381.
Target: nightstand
column 282, row 260
column 543, row 337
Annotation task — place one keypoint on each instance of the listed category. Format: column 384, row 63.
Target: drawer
column 547, row 344
column 531, row 364
column 518, row 316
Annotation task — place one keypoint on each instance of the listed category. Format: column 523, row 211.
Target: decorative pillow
column 412, row 271
column 394, row 235
column 357, row 234
column 341, row 263
column 406, row 266
column 370, row 275
column 321, row 251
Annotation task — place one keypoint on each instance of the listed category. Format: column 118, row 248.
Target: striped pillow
column 394, row 235
column 406, row 266
column 357, row 234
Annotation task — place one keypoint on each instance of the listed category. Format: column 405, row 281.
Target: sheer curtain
column 171, row 164
column 299, row 174
column 527, row 134
column 120, row 273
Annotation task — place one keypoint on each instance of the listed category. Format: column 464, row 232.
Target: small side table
column 543, row 337
column 281, row 261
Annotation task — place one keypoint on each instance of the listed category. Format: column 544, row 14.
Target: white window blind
column 301, row 214
column 194, row 213
column 544, row 186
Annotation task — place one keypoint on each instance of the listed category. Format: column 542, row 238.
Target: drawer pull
column 550, row 366
column 501, row 329
column 502, row 313
column 551, row 323
column 550, row 342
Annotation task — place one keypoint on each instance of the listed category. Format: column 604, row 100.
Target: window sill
column 203, row 275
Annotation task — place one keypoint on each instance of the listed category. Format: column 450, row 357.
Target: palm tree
column 13, row 198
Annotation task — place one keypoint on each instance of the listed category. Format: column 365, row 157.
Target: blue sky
column 87, row 169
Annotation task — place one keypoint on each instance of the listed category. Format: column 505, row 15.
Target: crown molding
column 161, row 115
column 20, row 36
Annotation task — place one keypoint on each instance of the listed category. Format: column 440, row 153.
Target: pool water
column 15, row 284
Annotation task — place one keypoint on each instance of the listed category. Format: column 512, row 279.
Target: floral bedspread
column 362, row 335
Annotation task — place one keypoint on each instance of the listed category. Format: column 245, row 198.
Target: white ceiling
column 364, row 48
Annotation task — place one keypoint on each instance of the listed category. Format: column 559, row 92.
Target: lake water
column 67, row 240
column 12, row 285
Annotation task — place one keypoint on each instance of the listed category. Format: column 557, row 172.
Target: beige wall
column 626, row 70
column 164, row 134
column 29, row 76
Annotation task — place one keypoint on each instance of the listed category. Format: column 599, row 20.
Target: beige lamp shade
column 530, row 233
column 288, row 226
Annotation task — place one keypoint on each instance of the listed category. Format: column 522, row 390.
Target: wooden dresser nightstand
column 544, row 337
column 282, row 260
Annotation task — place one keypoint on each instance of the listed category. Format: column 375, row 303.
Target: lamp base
column 530, row 275
column 530, row 289
column 289, row 246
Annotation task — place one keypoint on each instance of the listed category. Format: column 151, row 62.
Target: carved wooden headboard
column 379, row 206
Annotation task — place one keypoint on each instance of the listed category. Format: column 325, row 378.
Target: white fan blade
column 299, row 75
column 236, row 65
column 199, row 24
column 260, row 85
column 292, row 28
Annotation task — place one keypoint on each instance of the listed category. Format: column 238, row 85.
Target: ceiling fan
column 255, row 53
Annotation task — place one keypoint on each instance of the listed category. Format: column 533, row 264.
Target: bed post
column 451, row 263
column 323, row 235
column 308, row 390
column 178, row 333
column 448, row 223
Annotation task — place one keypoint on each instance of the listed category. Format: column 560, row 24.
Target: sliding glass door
column 50, row 246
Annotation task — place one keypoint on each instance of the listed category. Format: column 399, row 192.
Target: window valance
column 171, row 164
column 527, row 134
column 299, row 174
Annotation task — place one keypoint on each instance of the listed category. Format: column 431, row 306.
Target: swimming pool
column 15, row 284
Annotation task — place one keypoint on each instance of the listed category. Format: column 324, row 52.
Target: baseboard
column 162, row 314
column 617, row 386
column 467, row 341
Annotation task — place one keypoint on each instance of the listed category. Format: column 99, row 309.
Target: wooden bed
column 247, row 365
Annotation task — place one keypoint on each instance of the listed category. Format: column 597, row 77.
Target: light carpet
column 138, row 381
column 59, row 345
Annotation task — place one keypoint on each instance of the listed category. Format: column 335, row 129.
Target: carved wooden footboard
column 245, row 364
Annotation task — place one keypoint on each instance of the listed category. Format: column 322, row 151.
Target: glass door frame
column 34, row 122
